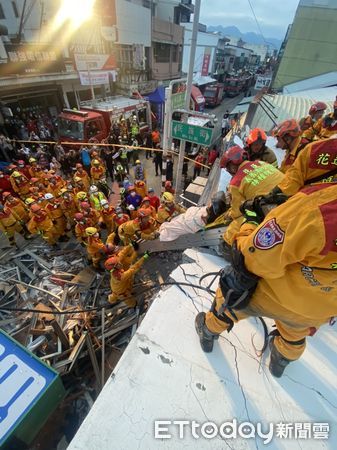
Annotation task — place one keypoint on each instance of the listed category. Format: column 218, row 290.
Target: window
column 71, row 129
column 2, row 14
column 162, row 53
column 15, row 9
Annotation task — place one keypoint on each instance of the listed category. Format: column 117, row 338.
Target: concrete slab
column 164, row 375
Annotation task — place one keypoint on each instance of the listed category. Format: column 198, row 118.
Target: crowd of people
column 282, row 235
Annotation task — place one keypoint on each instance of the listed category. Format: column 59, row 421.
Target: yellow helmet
column 29, row 201
column 81, row 195
column 16, row 174
column 31, row 160
column 77, row 179
column 95, row 162
column 167, row 197
column 62, row 191
column 90, row 231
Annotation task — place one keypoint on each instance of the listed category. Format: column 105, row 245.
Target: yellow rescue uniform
column 97, row 173
column 166, row 213
column 43, row 224
column 133, row 230
column 294, row 252
column 317, row 159
column 329, row 126
column 9, row 224
column 291, row 155
column 55, row 212
column 253, row 178
column 96, row 249
column 19, row 209
column 121, row 282
column 84, row 177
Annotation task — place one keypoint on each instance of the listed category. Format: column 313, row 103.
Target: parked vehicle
column 213, row 94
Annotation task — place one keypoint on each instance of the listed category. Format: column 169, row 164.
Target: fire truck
column 95, row 118
column 213, row 94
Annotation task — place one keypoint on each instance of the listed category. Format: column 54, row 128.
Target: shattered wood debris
column 34, row 277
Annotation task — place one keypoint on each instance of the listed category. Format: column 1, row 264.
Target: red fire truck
column 94, row 120
column 213, row 94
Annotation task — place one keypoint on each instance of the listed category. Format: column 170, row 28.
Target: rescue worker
column 68, row 205
column 9, row 224
column 311, row 125
column 126, row 255
column 95, row 197
column 153, row 198
column 169, row 188
column 94, row 155
column 288, row 135
column 97, row 171
column 198, row 161
column 5, row 183
column 79, row 186
column 139, row 171
column 82, row 174
column 249, row 179
column 119, row 217
column 257, row 149
column 143, row 227
column 140, row 188
column 107, row 216
column 80, row 197
column 147, row 205
column 23, row 168
column 329, row 123
column 316, row 163
column 56, row 183
column 89, row 213
column 133, row 198
column 20, row 184
column 42, row 224
column 35, row 170
column 81, row 224
column 121, row 281
column 95, row 247
column 283, row 268
column 54, row 211
column 168, row 208
column 16, row 206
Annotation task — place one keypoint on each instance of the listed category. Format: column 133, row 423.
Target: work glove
column 275, row 197
column 135, row 245
column 146, row 255
column 252, row 211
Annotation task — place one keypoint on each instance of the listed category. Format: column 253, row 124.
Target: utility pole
column 188, row 92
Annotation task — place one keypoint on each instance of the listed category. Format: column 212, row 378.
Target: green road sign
column 178, row 101
column 191, row 133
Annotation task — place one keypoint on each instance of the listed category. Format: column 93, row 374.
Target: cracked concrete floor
column 164, row 375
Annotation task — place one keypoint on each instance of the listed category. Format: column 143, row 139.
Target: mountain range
column 249, row 37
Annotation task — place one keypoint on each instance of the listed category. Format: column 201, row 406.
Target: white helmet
column 93, row 189
column 131, row 208
column 48, row 196
column 104, row 202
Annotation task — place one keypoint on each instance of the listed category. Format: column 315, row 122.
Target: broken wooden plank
column 77, row 350
column 24, row 269
column 60, row 333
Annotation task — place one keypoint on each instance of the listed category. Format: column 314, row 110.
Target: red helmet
column 289, row 127
column 145, row 199
column 79, row 166
column 168, row 183
column 34, row 180
column 78, row 216
column 255, row 135
column 235, row 155
column 6, row 194
column 111, row 262
column 319, row 106
column 85, row 205
column 21, row 162
column 35, row 208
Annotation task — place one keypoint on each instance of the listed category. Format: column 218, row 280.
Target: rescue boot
column 277, row 362
column 206, row 337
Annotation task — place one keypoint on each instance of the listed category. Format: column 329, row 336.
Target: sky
column 273, row 16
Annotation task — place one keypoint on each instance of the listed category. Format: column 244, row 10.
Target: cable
column 98, row 308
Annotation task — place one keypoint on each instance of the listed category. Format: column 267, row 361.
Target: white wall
column 133, row 23
column 203, row 40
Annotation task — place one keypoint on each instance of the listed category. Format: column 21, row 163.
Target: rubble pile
column 52, row 302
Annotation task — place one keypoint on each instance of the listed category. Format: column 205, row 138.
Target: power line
column 256, row 21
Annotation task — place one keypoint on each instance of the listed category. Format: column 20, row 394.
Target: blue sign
column 23, row 380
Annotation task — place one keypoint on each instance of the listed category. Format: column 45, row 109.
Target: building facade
column 311, row 45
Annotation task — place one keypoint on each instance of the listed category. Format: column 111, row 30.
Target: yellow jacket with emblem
column 133, row 230
column 253, row 178
column 317, row 159
column 294, row 253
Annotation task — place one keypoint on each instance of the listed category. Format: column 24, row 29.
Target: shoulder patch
column 269, row 235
